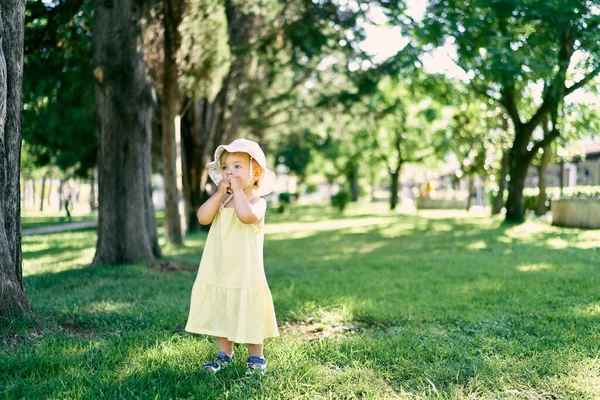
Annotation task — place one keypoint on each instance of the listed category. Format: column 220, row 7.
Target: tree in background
column 507, row 47
column 13, row 300
column 408, row 127
column 475, row 126
column 171, row 16
column 124, row 99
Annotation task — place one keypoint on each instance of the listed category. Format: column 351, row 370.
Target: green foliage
column 285, row 198
column 312, row 188
column 531, row 202
column 285, row 201
column 58, row 88
column 553, row 193
column 296, row 152
column 592, row 192
column 204, row 56
column 340, row 200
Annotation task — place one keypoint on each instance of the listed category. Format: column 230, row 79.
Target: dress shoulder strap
column 225, row 202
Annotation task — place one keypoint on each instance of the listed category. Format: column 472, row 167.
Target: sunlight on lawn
column 478, row 245
column 590, row 310
column 106, row 306
column 52, row 263
column 538, row 267
column 310, row 228
column 583, row 378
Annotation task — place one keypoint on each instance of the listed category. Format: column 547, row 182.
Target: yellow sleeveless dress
column 231, row 297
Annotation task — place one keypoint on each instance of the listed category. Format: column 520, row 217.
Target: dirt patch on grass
column 169, row 265
column 312, row 329
column 72, row 327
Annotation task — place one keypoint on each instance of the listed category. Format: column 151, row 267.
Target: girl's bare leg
column 225, row 345
column 255, row 350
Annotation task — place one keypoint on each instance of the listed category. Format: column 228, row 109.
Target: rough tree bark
column 172, row 16
column 124, row 100
column 13, row 300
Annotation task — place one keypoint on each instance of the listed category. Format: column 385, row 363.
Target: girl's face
column 235, row 164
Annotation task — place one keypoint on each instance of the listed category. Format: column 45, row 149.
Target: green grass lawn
column 372, row 304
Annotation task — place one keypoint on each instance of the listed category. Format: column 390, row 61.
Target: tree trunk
column 43, row 193
column 499, row 200
column 60, row 195
column 124, row 101
column 50, row 191
column 194, row 156
column 354, row 188
column 13, row 300
column 542, row 209
column 172, row 15
column 93, row 191
column 561, row 184
column 518, row 164
column 395, row 183
column 469, row 191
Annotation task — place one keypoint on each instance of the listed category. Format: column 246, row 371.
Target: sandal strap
column 257, row 360
column 223, row 356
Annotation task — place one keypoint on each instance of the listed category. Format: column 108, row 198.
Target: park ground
column 371, row 304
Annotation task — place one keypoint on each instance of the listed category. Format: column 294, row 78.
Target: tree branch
column 555, row 93
column 483, row 91
column 510, row 104
column 582, row 82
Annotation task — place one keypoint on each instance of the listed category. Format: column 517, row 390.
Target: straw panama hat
column 267, row 183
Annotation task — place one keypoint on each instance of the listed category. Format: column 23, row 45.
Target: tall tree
column 124, row 98
column 507, row 47
column 13, row 300
column 172, row 16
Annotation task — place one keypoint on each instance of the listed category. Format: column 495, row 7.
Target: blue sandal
column 221, row 360
column 256, row 364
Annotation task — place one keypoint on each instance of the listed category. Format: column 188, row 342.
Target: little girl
column 230, row 298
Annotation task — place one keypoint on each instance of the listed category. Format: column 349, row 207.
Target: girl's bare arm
column 206, row 213
column 246, row 212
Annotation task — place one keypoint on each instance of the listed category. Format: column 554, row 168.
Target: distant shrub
column 340, row 200
column 581, row 192
column 312, row 188
column 285, row 198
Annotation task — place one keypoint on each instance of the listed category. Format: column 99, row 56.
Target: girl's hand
column 224, row 185
column 237, row 183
